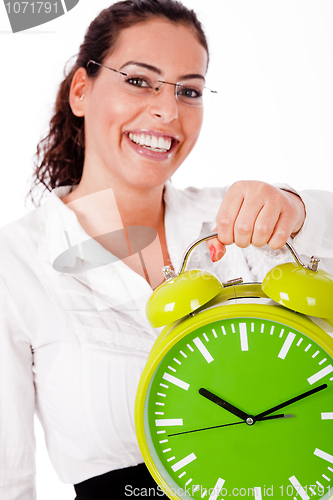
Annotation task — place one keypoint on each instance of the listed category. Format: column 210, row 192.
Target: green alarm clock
column 236, row 399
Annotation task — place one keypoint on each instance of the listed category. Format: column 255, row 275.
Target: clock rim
column 172, row 335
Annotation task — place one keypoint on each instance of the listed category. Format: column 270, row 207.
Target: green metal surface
column 300, row 289
column 180, row 296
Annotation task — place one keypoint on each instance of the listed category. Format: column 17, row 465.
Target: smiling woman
column 126, row 117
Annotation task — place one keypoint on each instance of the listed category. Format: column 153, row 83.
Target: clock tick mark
column 183, row 354
column 330, row 468
column 176, row 381
column 183, row 462
column 190, row 348
column 307, row 347
column 166, row 450
column 325, row 477
column 233, row 328
column 182, row 474
column 161, row 422
column 322, row 454
column 177, row 361
column 165, row 386
column 298, row 487
column 272, row 330
column 300, row 341
column 171, row 458
column 257, row 493
column 205, row 337
column 172, row 369
column 204, row 351
column 315, row 354
column 262, row 329
column 313, row 491
column 321, row 374
column 214, row 333
column 287, row 345
column 159, row 404
column 223, row 330
column 217, row 488
column 243, row 337
column 252, row 327
column 161, row 394
column 327, row 416
column 322, row 361
column 281, row 332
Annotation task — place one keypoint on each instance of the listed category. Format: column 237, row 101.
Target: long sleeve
column 316, row 236
column 17, row 442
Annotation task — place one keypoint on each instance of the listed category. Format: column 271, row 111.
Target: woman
column 73, row 349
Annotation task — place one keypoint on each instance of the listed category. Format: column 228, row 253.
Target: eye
column 138, row 81
column 189, row 92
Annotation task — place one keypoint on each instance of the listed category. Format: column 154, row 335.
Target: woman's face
column 118, row 123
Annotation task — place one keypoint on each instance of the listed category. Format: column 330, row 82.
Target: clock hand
column 290, row 401
column 227, row 425
column 224, row 404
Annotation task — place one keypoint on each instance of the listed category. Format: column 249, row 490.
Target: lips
column 153, row 145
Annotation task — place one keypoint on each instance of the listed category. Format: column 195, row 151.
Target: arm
column 17, row 443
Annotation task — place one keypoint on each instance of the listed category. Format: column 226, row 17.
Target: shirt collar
column 185, row 214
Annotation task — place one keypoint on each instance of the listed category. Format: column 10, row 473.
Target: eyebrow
column 159, row 72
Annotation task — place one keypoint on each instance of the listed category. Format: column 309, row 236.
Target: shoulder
column 19, row 242
column 24, row 231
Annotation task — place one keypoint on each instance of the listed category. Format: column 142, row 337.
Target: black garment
column 131, row 483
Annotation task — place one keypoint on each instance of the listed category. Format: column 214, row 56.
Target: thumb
column 216, row 248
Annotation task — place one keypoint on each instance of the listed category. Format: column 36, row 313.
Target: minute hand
column 290, row 401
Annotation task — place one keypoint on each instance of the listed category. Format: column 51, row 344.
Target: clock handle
column 169, row 273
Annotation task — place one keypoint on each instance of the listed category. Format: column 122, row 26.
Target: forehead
column 173, row 48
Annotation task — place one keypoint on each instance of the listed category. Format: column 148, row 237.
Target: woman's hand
column 258, row 213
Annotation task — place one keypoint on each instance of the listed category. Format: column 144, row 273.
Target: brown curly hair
column 60, row 155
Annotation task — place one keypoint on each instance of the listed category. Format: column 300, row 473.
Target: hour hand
column 224, row 404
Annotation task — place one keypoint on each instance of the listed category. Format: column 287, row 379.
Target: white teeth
column 154, row 142
column 159, row 144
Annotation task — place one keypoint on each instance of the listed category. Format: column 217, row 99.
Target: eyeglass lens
column 145, row 83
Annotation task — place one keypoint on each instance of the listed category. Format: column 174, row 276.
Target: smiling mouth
column 151, row 142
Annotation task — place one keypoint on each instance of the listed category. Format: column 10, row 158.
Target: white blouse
column 73, row 344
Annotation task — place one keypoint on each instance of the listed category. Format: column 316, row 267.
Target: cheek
column 193, row 125
column 110, row 110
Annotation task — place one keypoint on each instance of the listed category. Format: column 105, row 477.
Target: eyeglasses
column 143, row 83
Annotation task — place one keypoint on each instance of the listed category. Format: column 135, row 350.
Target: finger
column 216, row 248
column 227, row 215
column 265, row 224
column 245, row 222
column 282, row 230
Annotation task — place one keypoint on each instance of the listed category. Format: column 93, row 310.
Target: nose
column 163, row 105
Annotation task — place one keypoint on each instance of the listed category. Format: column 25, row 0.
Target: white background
column 272, row 64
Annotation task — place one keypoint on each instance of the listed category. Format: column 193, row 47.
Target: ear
column 77, row 92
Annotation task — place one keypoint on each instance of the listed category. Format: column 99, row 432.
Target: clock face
column 205, row 391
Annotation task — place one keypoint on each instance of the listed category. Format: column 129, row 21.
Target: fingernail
column 212, row 252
